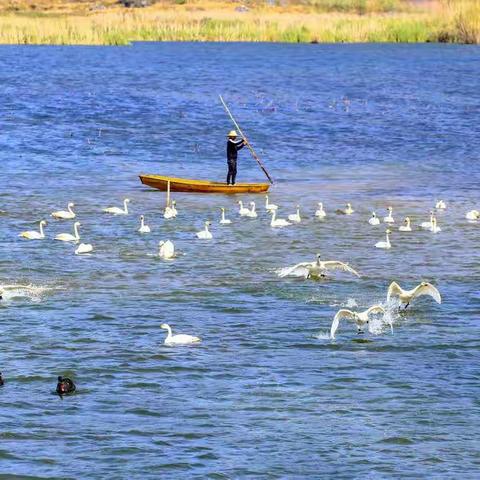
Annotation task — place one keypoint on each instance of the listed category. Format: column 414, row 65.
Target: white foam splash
column 32, row 292
column 322, row 336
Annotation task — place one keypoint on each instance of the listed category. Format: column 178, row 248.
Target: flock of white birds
column 308, row 270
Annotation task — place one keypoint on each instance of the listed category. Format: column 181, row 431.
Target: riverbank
column 59, row 22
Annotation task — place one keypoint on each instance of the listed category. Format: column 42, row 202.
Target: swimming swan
column 84, row 248
column 252, row 213
column 269, row 206
column 243, row 211
column 278, row 222
column 295, row 217
column 406, row 296
column 435, row 228
column 320, row 212
column 348, row 210
column 119, row 211
column 65, row 214
column 440, row 205
column 205, row 234
column 223, row 220
column 170, row 211
column 407, row 227
column 473, row 215
column 316, row 269
column 143, row 228
column 428, row 225
column 386, row 244
column 374, row 220
column 180, row 339
column 166, row 249
column 33, row 234
column 389, row 218
column 360, row 318
column 67, row 237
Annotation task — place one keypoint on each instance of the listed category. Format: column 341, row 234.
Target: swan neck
column 169, row 330
column 125, row 206
column 41, row 229
column 75, row 229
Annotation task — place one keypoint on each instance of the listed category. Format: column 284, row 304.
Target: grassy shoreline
column 392, row 21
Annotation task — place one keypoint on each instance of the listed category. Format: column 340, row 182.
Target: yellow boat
column 160, row 182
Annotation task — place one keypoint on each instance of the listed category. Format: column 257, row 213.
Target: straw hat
column 232, row 133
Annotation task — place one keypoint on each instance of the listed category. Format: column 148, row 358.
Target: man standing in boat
column 233, row 146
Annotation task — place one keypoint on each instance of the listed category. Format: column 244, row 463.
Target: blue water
column 266, row 394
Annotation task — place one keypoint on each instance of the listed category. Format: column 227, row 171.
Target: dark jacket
column 233, row 146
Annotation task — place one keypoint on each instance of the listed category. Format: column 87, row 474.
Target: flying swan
column 316, row 269
column 406, row 296
column 360, row 318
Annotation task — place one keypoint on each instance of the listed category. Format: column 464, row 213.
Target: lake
column 266, row 394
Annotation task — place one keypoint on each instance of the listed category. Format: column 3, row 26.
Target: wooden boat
column 160, row 182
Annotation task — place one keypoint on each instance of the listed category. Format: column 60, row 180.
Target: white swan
column 252, row 213
column 166, row 249
column 33, row 234
column 348, row 210
column 295, row 217
column 389, row 217
column 223, row 220
column 278, row 222
column 428, row 225
column 117, row 210
column 205, row 234
column 316, row 269
column 386, row 244
column 473, row 215
column 406, row 296
column 374, row 220
column 407, row 227
column 168, row 213
column 84, row 248
column 65, row 214
column 320, row 212
column 269, row 206
column 435, row 228
column 143, row 228
column 360, row 318
column 180, row 339
column 243, row 211
column 440, row 205
column 67, row 237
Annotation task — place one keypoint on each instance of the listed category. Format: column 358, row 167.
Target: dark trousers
column 232, row 170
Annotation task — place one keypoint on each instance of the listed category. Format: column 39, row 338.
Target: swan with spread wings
column 360, row 318
column 316, row 269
